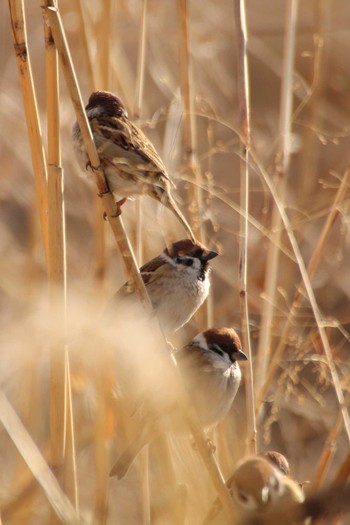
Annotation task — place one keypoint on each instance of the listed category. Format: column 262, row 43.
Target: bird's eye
column 185, row 261
column 217, row 350
column 242, row 497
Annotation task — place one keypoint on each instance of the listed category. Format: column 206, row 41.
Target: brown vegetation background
column 300, row 408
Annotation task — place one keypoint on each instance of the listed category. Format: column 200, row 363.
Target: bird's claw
column 89, row 166
column 118, row 210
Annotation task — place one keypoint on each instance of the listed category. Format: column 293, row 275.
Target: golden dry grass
column 298, row 222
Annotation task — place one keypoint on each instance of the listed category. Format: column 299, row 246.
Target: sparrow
column 129, row 160
column 278, row 460
column 211, row 374
column 257, row 487
column 177, row 282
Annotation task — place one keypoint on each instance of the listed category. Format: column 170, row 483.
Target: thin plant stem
column 281, row 175
column 189, row 140
column 99, row 223
column 31, row 112
column 140, row 81
column 195, row 194
column 62, row 456
column 103, row 36
column 327, row 453
column 243, row 93
column 35, row 461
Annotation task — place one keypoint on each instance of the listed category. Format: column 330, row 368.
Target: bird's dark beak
column 208, row 254
column 239, row 355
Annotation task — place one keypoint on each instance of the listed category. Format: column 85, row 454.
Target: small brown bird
column 177, row 282
column 211, row 374
column 256, row 486
column 278, row 460
column 130, row 163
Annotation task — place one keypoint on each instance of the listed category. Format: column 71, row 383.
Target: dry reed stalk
column 31, row 112
column 282, row 162
column 139, row 89
column 306, row 284
column 35, row 461
column 61, row 424
column 327, row 453
column 189, row 135
column 103, row 36
column 195, row 194
column 25, row 490
column 101, row 451
column 299, row 296
column 99, row 223
column 91, row 71
column 243, row 95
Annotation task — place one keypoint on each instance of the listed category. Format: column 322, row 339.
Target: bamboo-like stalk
column 40, row 469
column 299, row 297
column 31, row 112
column 101, row 451
column 62, row 456
column 243, row 94
column 91, row 71
column 99, row 223
column 189, row 124
column 281, row 175
column 340, row 479
column 139, row 89
column 195, row 194
column 327, row 453
column 103, row 36
column 306, row 284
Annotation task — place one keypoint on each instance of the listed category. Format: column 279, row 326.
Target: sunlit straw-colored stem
column 31, row 111
column 281, row 174
column 195, row 194
column 140, row 80
column 189, row 139
column 327, row 453
column 243, row 95
column 61, row 413
column 40, row 469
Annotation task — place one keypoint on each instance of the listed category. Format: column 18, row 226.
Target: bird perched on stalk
column 211, row 375
column 258, row 485
column 177, row 282
column 129, row 160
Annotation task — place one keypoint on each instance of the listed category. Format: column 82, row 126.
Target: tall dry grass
column 254, row 132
